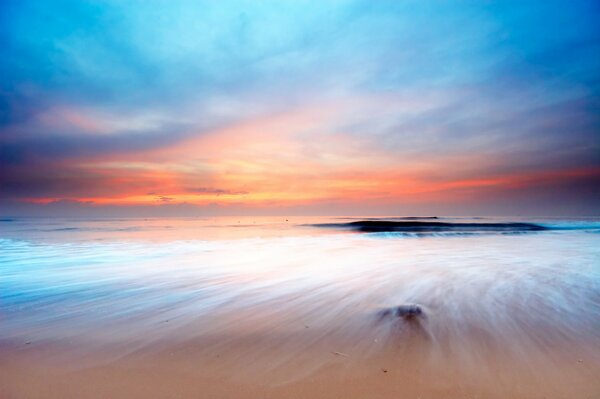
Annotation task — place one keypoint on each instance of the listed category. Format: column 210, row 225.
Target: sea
column 526, row 290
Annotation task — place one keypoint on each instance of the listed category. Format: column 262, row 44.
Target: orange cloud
column 297, row 157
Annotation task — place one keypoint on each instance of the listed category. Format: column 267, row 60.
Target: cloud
column 293, row 102
column 217, row 191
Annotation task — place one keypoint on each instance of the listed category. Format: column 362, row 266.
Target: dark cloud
column 217, row 191
column 53, row 146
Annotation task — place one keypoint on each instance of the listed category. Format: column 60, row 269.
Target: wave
column 394, row 218
column 482, row 304
column 385, row 226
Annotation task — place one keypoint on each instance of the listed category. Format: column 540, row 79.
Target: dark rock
column 409, row 311
column 406, row 312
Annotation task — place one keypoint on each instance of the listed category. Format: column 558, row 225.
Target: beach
column 299, row 200
column 278, row 308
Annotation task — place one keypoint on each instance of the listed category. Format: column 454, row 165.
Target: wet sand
column 268, row 365
column 272, row 351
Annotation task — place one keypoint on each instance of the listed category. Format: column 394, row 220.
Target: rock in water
column 409, row 311
column 406, row 312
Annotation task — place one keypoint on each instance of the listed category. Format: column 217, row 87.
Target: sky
column 176, row 108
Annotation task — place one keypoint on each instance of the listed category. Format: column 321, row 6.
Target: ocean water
column 491, row 297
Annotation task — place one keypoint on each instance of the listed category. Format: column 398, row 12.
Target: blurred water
column 93, row 284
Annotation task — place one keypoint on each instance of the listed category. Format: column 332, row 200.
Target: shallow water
column 498, row 306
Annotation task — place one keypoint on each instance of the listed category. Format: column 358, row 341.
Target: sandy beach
column 276, row 367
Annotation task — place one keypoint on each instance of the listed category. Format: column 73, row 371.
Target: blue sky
column 450, row 106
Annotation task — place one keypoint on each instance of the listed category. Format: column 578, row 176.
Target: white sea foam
column 516, row 294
